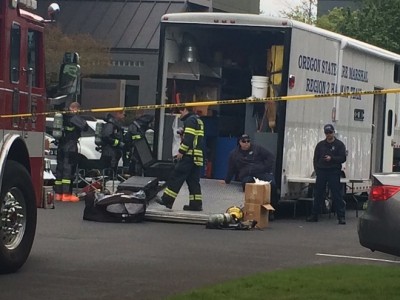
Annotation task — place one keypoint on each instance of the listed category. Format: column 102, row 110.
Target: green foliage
column 334, row 20
column 339, row 282
column 305, row 12
column 94, row 56
column 374, row 23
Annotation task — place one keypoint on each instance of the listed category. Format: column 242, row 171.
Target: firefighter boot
column 312, row 218
column 194, row 205
column 69, row 198
column 166, row 202
column 58, row 197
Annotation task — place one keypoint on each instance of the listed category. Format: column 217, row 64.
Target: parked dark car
column 379, row 225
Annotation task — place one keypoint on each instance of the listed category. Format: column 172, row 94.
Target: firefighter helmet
column 236, row 212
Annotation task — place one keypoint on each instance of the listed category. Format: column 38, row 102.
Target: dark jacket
column 111, row 136
column 73, row 126
column 193, row 134
column 336, row 150
column 137, row 129
column 253, row 162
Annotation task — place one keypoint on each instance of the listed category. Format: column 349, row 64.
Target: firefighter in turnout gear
column 189, row 163
column 136, row 131
column 67, row 153
column 112, row 142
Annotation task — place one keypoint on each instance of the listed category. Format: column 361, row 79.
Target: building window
column 128, row 63
column 15, row 52
column 33, row 56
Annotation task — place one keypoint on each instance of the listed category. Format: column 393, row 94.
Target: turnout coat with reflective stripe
column 193, row 134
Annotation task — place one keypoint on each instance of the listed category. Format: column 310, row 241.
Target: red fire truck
column 23, row 96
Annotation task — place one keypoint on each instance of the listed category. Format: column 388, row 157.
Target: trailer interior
column 203, row 63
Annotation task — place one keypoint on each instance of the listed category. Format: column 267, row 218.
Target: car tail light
column 383, row 192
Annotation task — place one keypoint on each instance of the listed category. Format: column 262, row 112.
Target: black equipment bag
column 138, row 183
column 122, row 207
column 162, row 169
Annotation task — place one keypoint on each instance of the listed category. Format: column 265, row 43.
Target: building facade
column 131, row 28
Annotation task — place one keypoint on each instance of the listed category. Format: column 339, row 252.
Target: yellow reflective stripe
column 189, row 130
column 170, row 193
column 196, row 197
column 66, row 181
column 196, row 152
column 195, row 141
column 184, row 147
column 67, row 128
column 198, row 161
column 115, row 143
column 58, row 182
column 136, row 137
column 198, row 132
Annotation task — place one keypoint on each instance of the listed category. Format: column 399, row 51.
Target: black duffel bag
column 121, row 207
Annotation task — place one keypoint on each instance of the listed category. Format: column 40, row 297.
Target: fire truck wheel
column 17, row 217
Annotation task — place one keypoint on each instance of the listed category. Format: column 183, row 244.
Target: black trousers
column 109, row 160
column 185, row 170
column 67, row 160
column 332, row 179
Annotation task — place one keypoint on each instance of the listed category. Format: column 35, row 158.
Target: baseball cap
column 328, row 128
column 245, row 137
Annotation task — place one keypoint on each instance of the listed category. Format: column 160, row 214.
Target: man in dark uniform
column 112, row 142
column 189, row 163
column 248, row 161
column 329, row 154
column 67, row 154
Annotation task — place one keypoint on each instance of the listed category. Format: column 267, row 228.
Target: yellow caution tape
column 215, row 102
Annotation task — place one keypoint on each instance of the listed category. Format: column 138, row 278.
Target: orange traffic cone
column 58, row 197
column 69, row 198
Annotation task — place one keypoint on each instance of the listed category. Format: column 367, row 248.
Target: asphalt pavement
column 76, row 259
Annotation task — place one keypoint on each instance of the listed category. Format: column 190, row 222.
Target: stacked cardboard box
column 257, row 199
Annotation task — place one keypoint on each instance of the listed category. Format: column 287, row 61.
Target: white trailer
column 214, row 56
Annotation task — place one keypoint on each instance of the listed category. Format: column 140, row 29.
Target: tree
column 335, row 20
column 375, row 23
column 305, row 12
column 94, row 55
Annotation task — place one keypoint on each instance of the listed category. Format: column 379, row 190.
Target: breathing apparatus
column 97, row 135
column 58, row 126
column 231, row 219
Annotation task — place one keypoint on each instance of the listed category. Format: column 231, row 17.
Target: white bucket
column 259, row 86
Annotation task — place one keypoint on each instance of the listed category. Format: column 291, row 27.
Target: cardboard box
column 257, row 212
column 257, row 193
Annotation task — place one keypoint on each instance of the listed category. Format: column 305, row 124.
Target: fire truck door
column 24, row 66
